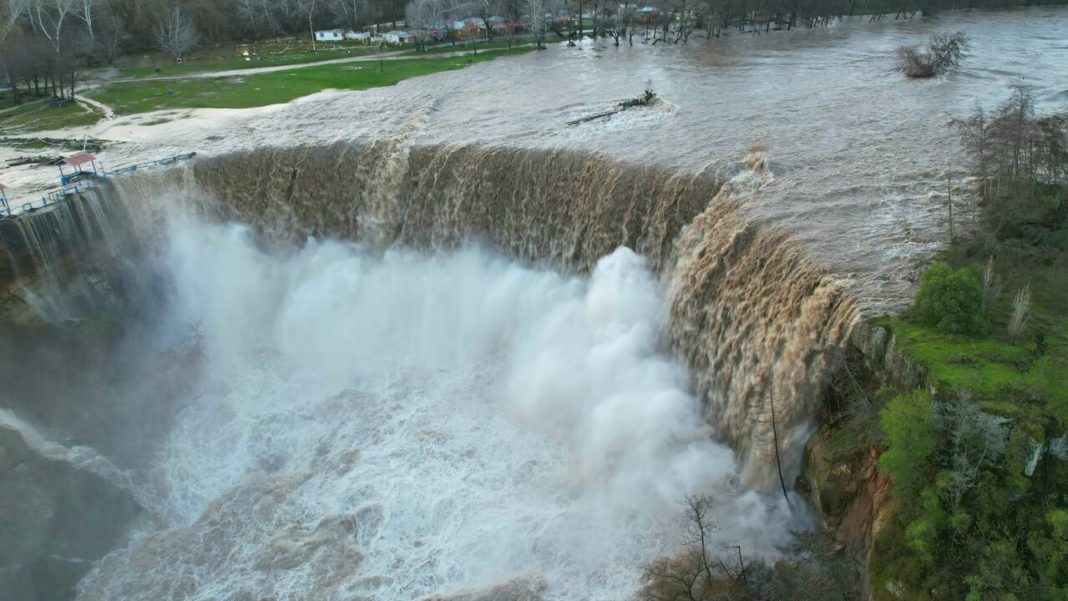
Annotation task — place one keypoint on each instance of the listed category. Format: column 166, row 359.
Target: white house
column 359, row 36
column 330, row 35
column 397, row 37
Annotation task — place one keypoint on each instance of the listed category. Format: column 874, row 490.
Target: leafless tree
column 973, row 132
column 428, row 13
column 347, row 11
column 697, row 572
column 1021, row 306
column 47, row 17
column 309, row 9
column 485, row 9
column 769, row 435
column 10, row 13
column 176, row 33
column 86, row 11
column 977, row 440
column 991, row 289
column 942, row 53
column 536, row 20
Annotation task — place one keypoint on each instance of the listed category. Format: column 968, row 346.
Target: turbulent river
column 393, row 426
column 859, row 155
column 452, row 345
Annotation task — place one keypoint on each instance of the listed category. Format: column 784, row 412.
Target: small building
column 398, row 37
column 80, row 166
column 330, row 35
column 648, row 14
column 358, row 36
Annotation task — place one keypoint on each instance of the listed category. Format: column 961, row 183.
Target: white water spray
column 389, row 427
column 78, row 457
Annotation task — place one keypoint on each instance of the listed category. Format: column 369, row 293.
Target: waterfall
column 67, row 259
column 752, row 314
column 386, row 326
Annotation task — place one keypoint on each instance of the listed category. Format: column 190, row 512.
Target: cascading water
column 69, row 258
column 400, row 425
column 750, row 312
column 403, row 414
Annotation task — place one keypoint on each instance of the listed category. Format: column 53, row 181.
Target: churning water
column 380, row 423
column 392, row 426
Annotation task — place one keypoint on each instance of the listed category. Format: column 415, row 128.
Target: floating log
column 644, row 100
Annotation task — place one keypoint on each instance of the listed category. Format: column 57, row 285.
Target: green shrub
column 907, row 422
column 950, row 300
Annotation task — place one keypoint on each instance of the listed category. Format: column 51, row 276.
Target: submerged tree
column 942, row 54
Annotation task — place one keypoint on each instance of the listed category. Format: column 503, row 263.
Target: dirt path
column 107, row 110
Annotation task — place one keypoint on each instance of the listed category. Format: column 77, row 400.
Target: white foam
column 471, row 420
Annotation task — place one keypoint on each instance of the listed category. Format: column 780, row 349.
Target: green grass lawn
column 41, row 115
column 999, row 372
column 260, row 56
column 273, row 88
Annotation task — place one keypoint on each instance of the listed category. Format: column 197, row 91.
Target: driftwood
column 35, row 160
column 645, row 99
column 87, row 145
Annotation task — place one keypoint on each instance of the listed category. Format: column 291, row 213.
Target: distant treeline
column 95, row 32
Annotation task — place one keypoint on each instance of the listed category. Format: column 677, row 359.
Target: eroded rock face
column 884, row 359
column 54, row 521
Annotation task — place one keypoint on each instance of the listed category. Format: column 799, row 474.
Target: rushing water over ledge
column 387, row 422
column 263, row 486
column 394, row 426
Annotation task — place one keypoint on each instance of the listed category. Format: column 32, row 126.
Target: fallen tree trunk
column 645, row 99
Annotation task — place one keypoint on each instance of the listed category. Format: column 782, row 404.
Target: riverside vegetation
column 978, row 457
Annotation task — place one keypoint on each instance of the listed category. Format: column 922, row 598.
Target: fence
column 58, row 194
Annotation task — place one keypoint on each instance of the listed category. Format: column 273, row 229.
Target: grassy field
column 273, row 88
column 997, row 370
column 260, row 55
column 42, row 115
column 994, row 368
column 1005, row 377
column 263, row 55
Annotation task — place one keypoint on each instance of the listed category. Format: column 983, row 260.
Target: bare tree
column 977, row 439
column 85, row 10
column 768, row 421
column 429, row 13
column 1021, row 305
column 10, row 13
column 47, row 18
column 696, row 573
column 991, row 289
column 536, row 20
column 176, row 33
column 309, row 7
column 942, row 53
column 485, row 10
column 973, row 132
column 347, row 12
